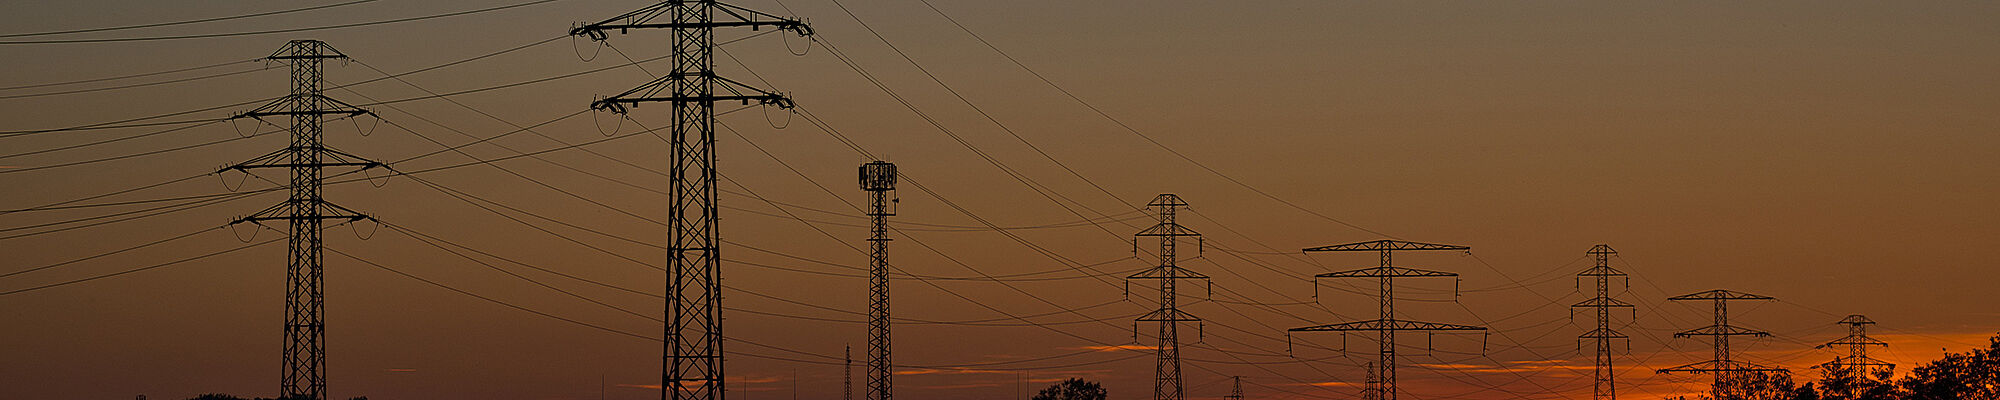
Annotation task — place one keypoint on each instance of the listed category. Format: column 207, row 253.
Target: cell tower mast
column 879, row 179
column 1383, row 386
column 304, row 212
column 1167, row 366
column 1856, row 364
column 693, row 350
column 1606, row 388
column 1723, row 369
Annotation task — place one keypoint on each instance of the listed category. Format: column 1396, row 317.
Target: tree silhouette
column 1073, row 389
column 1971, row 375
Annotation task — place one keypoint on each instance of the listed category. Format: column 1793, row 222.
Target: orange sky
column 1834, row 155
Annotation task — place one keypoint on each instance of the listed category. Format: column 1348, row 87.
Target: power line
column 273, row 31
column 184, row 22
column 139, row 269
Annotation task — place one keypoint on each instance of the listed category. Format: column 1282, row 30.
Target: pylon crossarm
column 1855, row 362
column 1167, row 272
column 1387, row 325
column 1602, row 333
column 1601, row 302
column 285, row 106
column 1167, row 315
column 649, row 93
column 1601, row 271
column 1720, row 294
column 1720, row 330
column 1167, row 229
column 642, row 19
column 1721, row 366
column 1381, row 272
column 1378, row 245
column 1853, row 341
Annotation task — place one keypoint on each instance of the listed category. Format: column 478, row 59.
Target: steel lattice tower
column 1856, row 364
column 1235, row 388
column 879, row 179
column 693, row 350
column 1383, row 384
column 847, row 373
column 1721, row 367
column 304, row 212
column 1606, row 387
column 1167, row 366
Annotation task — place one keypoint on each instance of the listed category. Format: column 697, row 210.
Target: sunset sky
column 1837, row 155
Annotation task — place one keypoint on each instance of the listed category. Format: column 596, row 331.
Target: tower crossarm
column 1385, row 272
column 1720, row 294
column 726, row 90
column 1853, row 341
column 726, row 16
column 1167, row 315
column 1604, row 270
column 1387, row 325
column 1167, row 272
column 1720, row 330
column 1850, row 361
column 1602, row 333
column 1712, row 366
column 1601, row 302
column 313, row 104
column 1380, row 245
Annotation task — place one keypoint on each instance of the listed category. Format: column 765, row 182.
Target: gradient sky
column 1837, row 155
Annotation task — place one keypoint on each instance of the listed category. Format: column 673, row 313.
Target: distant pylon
column 1382, row 384
column 1723, row 369
column 878, row 178
column 1235, row 388
column 847, row 374
column 693, row 357
column 1606, row 388
column 1167, row 363
column 1856, row 364
column 304, row 212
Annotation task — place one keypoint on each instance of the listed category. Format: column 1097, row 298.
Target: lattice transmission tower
column 1606, row 387
column 1856, row 364
column 1382, row 385
column 693, row 355
column 878, row 178
column 1235, row 388
column 847, row 373
column 1167, row 364
column 1724, row 370
column 304, row 212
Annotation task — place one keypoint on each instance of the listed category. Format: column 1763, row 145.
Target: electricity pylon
column 1167, row 365
column 1606, row 388
column 1723, row 369
column 1383, row 385
column 1235, row 389
column 879, row 179
column 693, row 347
column 847, row 374
column 1856, row 364
column 304, row 212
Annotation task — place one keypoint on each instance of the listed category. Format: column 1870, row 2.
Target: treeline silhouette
column 1973, row 375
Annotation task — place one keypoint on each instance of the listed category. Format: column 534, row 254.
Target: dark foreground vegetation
column 1973, row 375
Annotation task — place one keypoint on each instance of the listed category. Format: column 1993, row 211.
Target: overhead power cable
column 185, row 22
column 138, row 75
column 275, row 31
column 139, row 269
